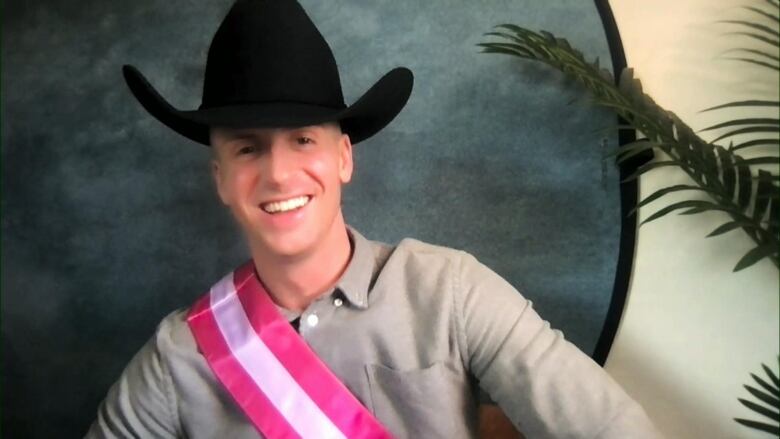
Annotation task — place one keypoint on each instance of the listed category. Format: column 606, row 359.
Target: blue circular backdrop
column 110, row 220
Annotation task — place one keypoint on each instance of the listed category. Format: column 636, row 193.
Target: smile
column 285, row 205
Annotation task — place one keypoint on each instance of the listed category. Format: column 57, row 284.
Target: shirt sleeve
column 545, row 385
column 141, row 403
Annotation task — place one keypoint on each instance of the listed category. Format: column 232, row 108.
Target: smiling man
column 324, row 333
column 283, row 185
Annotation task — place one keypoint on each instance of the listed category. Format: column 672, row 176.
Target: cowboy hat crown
column 269, row 66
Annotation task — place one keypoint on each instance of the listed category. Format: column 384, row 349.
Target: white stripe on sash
column 264, row 368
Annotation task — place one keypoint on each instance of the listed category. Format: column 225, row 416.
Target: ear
column 345, row 159
column 216, row 173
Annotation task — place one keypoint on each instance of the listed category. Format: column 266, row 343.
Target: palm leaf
column 744, row 182
column 762, row 54
column 769, row 15
column 765, row 30
column 771, row 429
column 774, row 390
column 693, row 204
column 719, row 172
column 759, row 37
column 661, row 192
column 768, row 160
column 649, row 166
column 503, row 49
column 755, row 255
column 757, row 62
column 632, row 149
column 729, row 226
column 774, row 216
column 748, row 103
column 775, row 380
column 750, row 130
column 756, row 142
column 728, row 172
column 761, row 410
column 768, row 404
column 764, row 191
column 763, row 396
column 740, row 122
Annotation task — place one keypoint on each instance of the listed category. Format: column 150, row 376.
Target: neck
column 294, row 282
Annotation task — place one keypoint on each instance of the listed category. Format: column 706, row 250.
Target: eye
column 303, row 140
column 246, row 149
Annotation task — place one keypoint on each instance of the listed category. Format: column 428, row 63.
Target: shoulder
column 173, row 332
column 142, row 403
column 422, row 264
column 415, row 245
column 170, row 346
column 427, row 257
column 409, row 253
column 474, row 284
column 417, row 250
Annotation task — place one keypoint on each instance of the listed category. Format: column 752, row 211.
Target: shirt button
column 312, row 320
column 337, row 302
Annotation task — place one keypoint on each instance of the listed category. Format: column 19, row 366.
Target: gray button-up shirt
column 411, row 330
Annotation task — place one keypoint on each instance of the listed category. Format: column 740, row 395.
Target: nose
column 279, row 163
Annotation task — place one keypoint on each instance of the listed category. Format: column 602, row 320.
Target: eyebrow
column 306, row 129
column 236, row 135
column 233, row 134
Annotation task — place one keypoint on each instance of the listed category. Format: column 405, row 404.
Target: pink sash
column 273, row 375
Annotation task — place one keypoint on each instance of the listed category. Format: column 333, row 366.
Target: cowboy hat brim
column 367, row 116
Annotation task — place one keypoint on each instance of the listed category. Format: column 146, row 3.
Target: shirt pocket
column 433, row 402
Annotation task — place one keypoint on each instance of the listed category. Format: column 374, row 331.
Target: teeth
column 286, row 205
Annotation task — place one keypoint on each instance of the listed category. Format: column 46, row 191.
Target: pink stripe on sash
column 325, row 389
column 257, row 407
column 274, row 376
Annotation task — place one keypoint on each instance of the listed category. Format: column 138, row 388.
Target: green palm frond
column 766, row 402
column 767, row 56
column 751, row 129
column 762, row 29
column 773, row 17
column 751, row 121
column 751, row 103
column 766, row 31
column 724, row 176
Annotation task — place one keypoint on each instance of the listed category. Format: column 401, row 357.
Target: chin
column 287, row 245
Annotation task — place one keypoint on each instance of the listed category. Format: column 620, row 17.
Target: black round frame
column 629, row 192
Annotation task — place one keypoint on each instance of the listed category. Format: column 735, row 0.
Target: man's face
column 283, row 185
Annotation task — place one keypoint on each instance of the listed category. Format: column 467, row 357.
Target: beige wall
column 692, row 330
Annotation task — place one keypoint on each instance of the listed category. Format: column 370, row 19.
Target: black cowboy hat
column 269, row 66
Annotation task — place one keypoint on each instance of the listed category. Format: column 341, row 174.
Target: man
column 325, row 333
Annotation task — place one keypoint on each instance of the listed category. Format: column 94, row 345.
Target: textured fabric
column 279, row 382
column 411, row 330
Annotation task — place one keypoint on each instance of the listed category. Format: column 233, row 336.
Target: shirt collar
column 356, row 280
